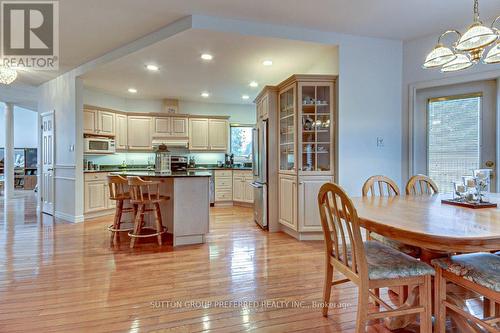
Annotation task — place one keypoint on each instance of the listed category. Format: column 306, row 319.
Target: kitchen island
column 186, row 214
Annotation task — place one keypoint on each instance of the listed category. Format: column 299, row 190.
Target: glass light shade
column 461, row 62
column 439, row 56
column 493, row 56
column 7, row 75
column 477, row 36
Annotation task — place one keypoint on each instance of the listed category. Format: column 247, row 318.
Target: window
column 241, row 142
column 453, row 142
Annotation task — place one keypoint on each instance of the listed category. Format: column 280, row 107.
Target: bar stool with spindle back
column 118, row 192
column 145, row 193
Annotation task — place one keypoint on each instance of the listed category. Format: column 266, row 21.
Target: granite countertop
column 115, row 170
column 164, row 175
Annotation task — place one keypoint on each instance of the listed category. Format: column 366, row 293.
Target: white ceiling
column 90, row 28
column 237, row 61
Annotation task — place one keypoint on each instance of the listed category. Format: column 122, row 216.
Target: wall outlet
column 380, row 142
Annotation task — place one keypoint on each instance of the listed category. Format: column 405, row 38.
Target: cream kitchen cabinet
column 90, row 121
column 96, row 193
column 121, row 138
column 223, row 185
column 263, row 108
column 218, row 134
column 170, row 127
column 198, row 134
column 98, row 122
column 139, row 132
column 288, row 201
column 242, row 190
column 308, row 212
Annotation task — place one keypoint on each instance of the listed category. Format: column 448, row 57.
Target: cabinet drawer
column 223, row 196
column 223, row 183
column 223, row 174
column 91, row 176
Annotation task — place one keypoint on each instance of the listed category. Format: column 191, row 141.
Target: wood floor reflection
column 62, row 277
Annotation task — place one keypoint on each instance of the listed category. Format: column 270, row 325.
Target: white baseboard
column 302, row 236
column 93, row 215
column 69, row 217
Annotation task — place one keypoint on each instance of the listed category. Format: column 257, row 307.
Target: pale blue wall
column 25, row 127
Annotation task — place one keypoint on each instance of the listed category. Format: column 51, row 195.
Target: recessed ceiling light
column 152, row 68
column 245, row 97
column 206, row 56
column 267, row 63
column 132, row 90
column 205, row 94
column 253, row 84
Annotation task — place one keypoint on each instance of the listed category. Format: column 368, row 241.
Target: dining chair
column 370, row 265
column 145, row 193
column 421, row 185
column 118, row 192
column 476, row 272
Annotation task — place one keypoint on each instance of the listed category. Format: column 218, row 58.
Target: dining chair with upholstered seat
column 476, row 272
column 370, row 265
column 421, row 185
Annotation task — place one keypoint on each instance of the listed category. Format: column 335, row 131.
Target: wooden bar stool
column 145, row 193
column 118, row 192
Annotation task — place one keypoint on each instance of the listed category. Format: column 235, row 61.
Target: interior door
column 47, row 154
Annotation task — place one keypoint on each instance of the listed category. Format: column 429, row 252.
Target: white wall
column 25, row 127
column 414, row 76
column 63, row 95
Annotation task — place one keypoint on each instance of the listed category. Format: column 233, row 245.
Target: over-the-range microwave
column 99, row 146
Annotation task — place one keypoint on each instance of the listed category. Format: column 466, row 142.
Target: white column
column 9, row 151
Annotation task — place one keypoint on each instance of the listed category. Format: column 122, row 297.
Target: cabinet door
column 139, row 133
column 288, row 201
column 106, row 122
column 90, row 121
column 265, row 107
column 238, row 190
column 121, row 140
column 198, row 134
column 218, row 134
column 95, row 196
column 308, row 189
column 179, row 127
column 162, row 126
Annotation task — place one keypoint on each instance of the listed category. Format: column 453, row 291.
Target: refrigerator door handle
column 256, row 185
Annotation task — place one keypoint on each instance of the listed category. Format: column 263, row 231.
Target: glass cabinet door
column 315, row 104
column 287, row 130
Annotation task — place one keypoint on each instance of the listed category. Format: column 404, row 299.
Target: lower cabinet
column 242, row 190
column 288, row 201
column 223, row 185
column 298, row 202
column 308, row 211
column 96, row 193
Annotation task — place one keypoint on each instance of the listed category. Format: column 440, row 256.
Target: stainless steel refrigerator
column 260, row 135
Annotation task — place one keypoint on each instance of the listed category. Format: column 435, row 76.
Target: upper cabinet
column 98, row 122
column 170, row 127
column 208, row 134
column 121, row 138
column 139, row 132
column 218, row 130
column 307, row 123
column 198, row 134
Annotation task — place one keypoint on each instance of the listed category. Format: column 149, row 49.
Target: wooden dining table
column 437, row 228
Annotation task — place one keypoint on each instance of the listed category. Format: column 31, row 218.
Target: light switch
column 380, row 142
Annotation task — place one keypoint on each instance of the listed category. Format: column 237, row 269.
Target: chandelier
column 469, row 48
column 7, row 75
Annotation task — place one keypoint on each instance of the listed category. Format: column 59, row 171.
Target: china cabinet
column 307, row 149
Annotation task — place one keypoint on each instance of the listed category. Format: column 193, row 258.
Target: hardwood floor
column 60, row 277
